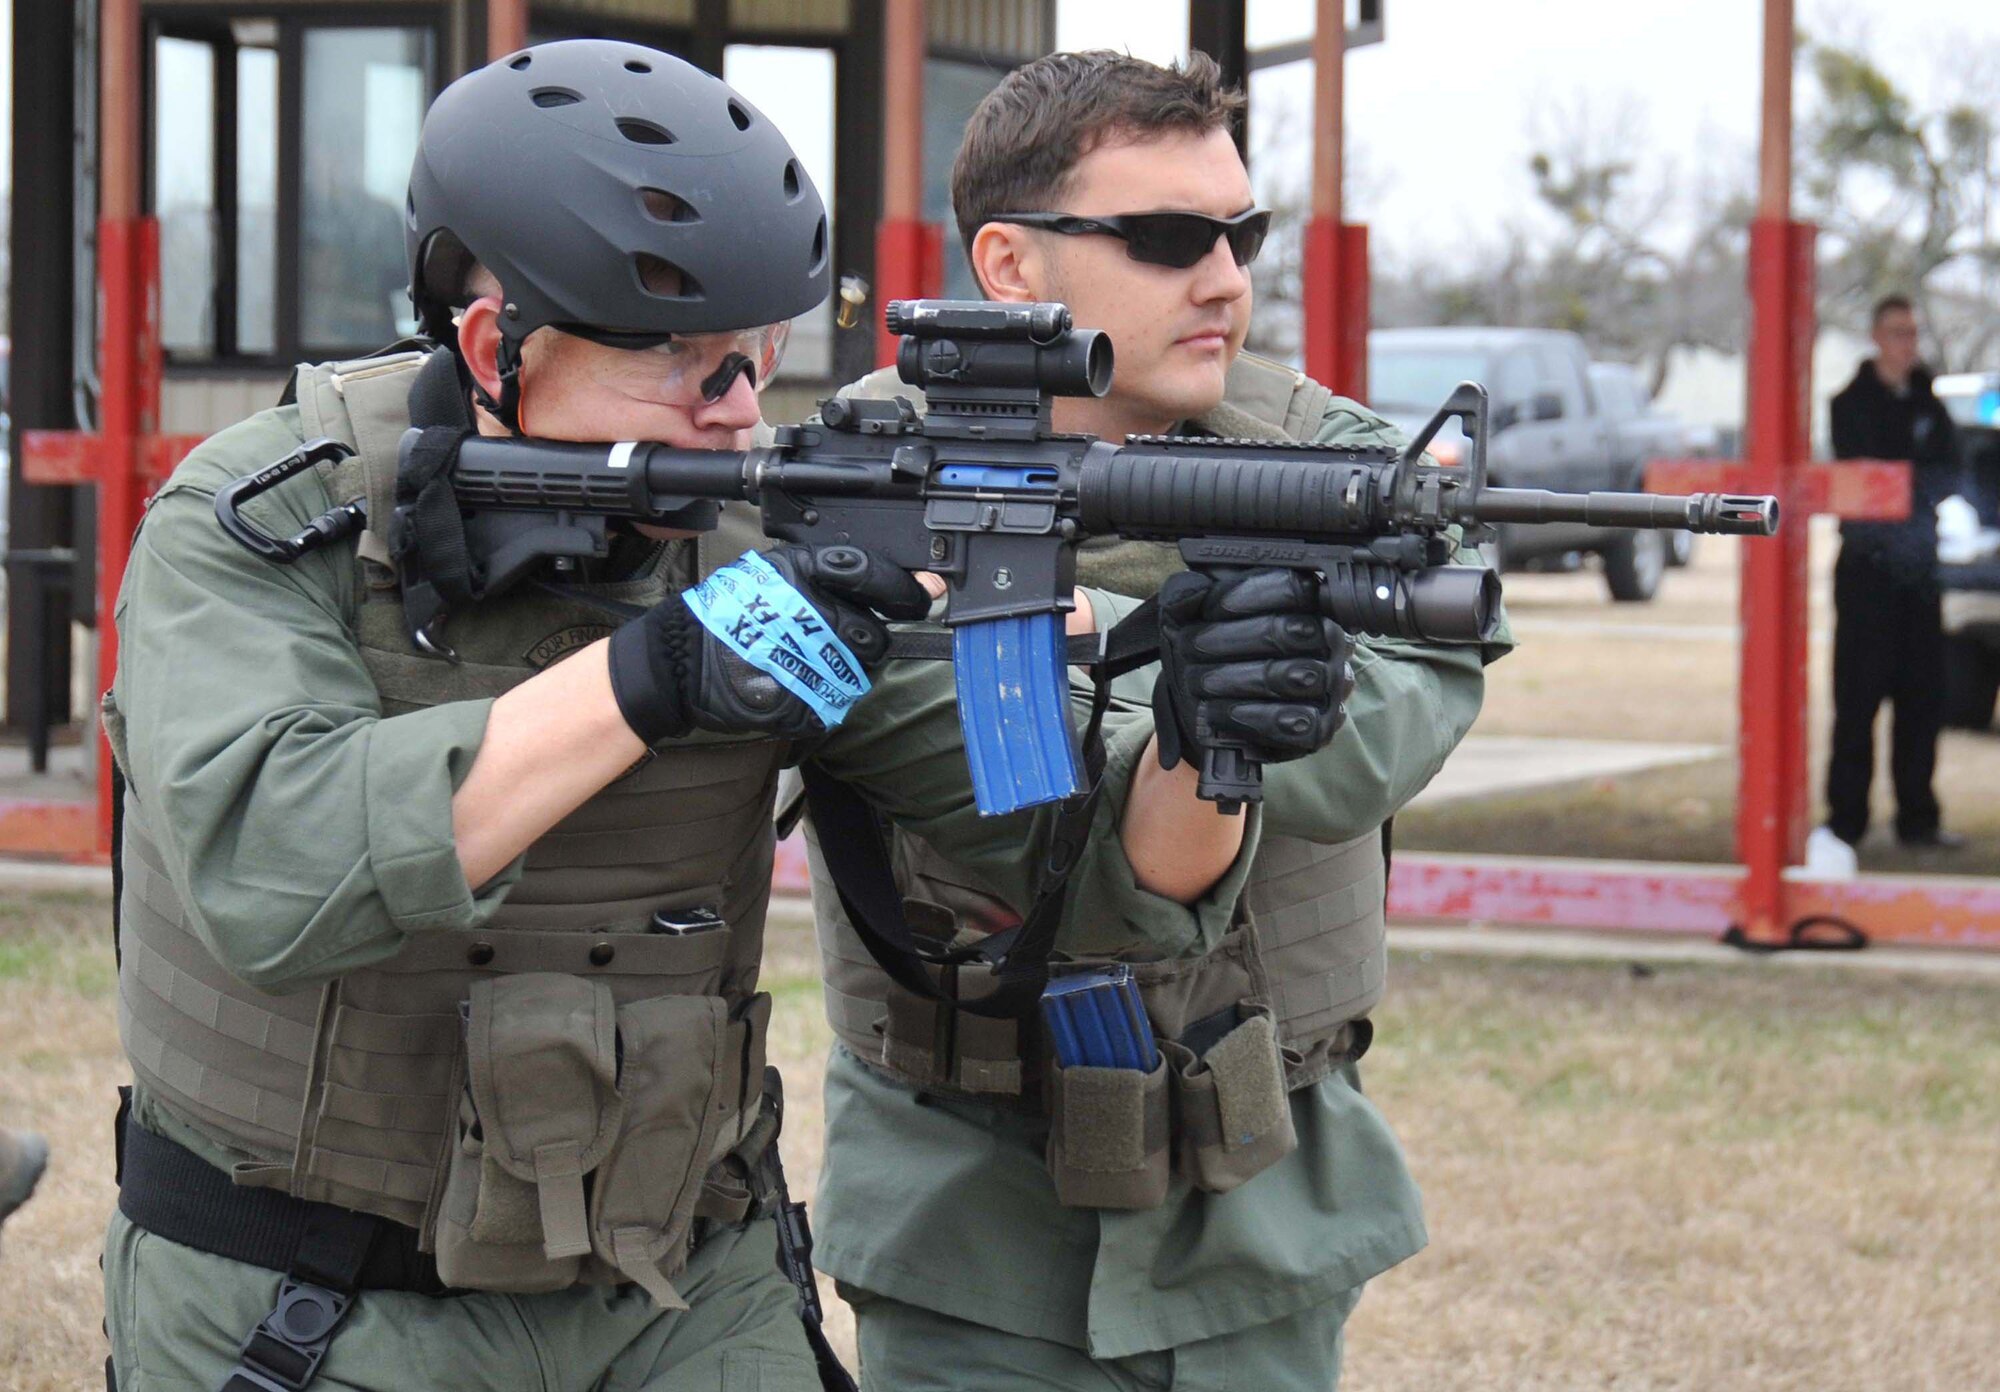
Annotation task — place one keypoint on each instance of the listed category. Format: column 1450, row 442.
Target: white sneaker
column 1828, row 857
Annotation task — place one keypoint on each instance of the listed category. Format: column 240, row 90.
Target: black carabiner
column 333, row 525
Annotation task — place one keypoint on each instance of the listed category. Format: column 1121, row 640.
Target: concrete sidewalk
column 1489, row 765
column 1659, row 949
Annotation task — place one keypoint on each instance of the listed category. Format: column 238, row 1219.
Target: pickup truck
column 1548, row 431
column 1643, row 433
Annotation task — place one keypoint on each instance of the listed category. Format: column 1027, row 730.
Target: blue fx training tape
column 770, row 625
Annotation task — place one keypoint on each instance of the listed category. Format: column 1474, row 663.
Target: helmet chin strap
column 506, row 410
column 716, row 385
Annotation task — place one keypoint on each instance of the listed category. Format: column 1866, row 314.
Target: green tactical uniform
column 936, row 1209
column 315, row 1002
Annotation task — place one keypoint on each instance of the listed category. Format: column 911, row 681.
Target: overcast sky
column 1442, row 115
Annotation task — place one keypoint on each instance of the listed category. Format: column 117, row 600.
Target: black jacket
column 1872, row 422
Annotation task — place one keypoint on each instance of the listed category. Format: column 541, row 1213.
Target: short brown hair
column 1027, row 136
column 1889, row 304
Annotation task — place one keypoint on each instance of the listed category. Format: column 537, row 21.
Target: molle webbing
column 1317, row 916
column 347, row 1093
column 1320, row 923
column 231, row 1061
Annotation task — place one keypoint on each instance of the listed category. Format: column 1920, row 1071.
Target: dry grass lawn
column 1701, row 1178
column 1586, row 668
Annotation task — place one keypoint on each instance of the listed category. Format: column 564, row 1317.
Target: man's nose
column 735, row 409
column 1218, row 277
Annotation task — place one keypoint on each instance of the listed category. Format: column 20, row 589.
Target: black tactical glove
column 1248, row 660
column 671, row 675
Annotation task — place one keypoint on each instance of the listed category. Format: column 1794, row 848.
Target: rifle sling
column 857, row 858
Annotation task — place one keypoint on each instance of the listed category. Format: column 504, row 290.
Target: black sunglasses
column 1178, row 240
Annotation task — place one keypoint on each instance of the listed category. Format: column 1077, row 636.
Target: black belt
column 170, row 1191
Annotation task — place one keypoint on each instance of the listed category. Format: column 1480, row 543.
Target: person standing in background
column 1887, row 643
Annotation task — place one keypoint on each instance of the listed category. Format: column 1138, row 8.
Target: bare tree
column 1904, row 193
column 1643, row 261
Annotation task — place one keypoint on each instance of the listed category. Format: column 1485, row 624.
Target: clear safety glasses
column 686, row 369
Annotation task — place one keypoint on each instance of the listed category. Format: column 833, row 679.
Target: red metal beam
column 128, row 259
column 1772, row 802
column 70, row 456
column 59, row 456
column 1337, row 306
column 1336, row 251
column 67, row 830
column 1910, row 910
column 1695, row 899
column 1700, row 900
column 909, row 252
column 506, row 28
column 1874, row 489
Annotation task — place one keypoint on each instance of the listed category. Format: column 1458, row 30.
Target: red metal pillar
column 506, row 28
column 128, row 253
column 1336, row 261
column 909, row 252
column 1772, row 800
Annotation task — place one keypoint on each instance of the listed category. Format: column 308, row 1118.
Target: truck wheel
column 1971, row 683
column 1633, row 565
column 1680, row 548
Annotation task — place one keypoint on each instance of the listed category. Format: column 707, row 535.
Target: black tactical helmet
column 577, row 172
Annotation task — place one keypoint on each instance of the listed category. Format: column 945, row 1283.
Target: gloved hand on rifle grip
column 670, row 675
column 1248, row 659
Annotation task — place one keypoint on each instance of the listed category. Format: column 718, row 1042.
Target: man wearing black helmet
column 439, row 953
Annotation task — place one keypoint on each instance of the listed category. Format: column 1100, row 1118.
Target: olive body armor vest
column 1310, row 943
column 469, row 1085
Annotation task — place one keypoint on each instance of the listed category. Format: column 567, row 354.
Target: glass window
column 951, row 91
column 794, row 88
column 256, row 200
column 1558, row 374
column 1408, row 381
column 184, row 191
column 1514, row 379
column 364, row 91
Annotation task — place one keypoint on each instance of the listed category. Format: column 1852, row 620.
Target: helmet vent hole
column 662, row 206
column 644, row 132
column 739, row 115
column 555, row 96
column 819, row 246
column 791, row 181
column 664, row 280
column 519, row 63
column 634, row 65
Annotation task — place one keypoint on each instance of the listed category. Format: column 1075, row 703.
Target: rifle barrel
column 1727, row 514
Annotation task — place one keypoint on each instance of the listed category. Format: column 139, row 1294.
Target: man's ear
column 1009, row 263
column 479, row 342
